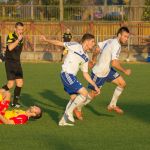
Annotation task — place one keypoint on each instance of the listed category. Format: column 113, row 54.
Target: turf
column 100, row 129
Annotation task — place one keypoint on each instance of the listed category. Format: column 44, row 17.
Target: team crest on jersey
column 84, row 57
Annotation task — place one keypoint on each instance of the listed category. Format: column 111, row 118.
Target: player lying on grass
column 104, row 71
column 16, row 116
column 77, row 58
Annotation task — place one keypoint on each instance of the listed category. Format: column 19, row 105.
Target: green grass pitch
column 100, row 129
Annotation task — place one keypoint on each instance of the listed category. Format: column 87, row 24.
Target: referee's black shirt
column 13, row 55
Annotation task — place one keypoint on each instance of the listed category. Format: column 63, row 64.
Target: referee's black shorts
column 13, row 70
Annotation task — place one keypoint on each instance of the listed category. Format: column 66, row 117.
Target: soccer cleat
column 78, row 114
column 117, row 109
column 2, row 56
column 17, row 105
column 69, row 116
column 63, row 122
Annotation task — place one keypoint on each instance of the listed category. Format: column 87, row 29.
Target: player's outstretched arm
column 54, row 42
column 116, row 64
column 6, row 121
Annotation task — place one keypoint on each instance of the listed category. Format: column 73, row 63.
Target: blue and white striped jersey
column 110, row 50
column 76, row 59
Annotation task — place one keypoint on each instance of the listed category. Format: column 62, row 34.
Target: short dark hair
column 37, row 116
column 123, row 29
column 19, row 24
column 87, row 36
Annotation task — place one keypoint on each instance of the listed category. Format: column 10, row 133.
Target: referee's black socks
column 5, row 87
column 17, row 92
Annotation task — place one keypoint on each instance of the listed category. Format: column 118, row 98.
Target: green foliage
column 147, row 2
column 50, row 2
column 146, row 13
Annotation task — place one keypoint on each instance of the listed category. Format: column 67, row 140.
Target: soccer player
column 66, row 38
column 77, row 58
column 12, row 62
column 103, row 71
column 16, row 116
column 19, row 116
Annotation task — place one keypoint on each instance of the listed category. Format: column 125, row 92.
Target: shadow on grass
column 53, row 104
column 54, row 98
column 138, row 111
column 61, row 102
column 97, row 112
column 51, row 110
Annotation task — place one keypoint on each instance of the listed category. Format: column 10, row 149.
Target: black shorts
column 13, row 70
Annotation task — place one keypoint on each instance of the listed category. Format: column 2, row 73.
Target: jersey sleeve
column 84, row 67
column 10, row 39
column 71, row 45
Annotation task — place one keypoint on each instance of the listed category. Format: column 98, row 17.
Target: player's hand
column 97, row 90
column 43, row 38
column 20, row 37
column 127, row 72
column 91, row 64
column 97, row 50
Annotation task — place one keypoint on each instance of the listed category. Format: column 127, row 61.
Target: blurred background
column 99, row 17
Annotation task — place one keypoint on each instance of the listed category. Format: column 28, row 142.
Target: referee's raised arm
column 11, row 46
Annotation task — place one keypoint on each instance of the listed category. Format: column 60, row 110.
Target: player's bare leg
column 78, row 110
column 77, row 102
column 121, row 84
column 63, row 120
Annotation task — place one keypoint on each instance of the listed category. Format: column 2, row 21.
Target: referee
column 66, row 38
column 13, row 67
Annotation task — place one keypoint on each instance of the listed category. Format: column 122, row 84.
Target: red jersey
column 18, row 116
column 20, row 119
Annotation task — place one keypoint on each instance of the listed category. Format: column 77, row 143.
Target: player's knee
column 10, row 85
column 92, row 94
column 84, row 92
column 19, row 84
column 4, row 88
column 123, row 84
column 72, row 97
column 8, row 95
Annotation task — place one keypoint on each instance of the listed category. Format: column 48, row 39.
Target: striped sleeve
column 10, row 38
